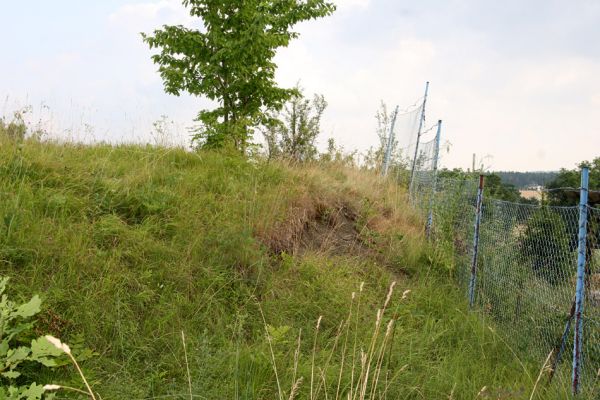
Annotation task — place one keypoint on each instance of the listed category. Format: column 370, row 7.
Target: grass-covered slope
column 129, row 246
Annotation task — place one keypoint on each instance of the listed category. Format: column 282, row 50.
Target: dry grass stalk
column 483, row 391
column 312, row 368
column 379, row 365
column 280, row 393
column 187, row 366
column 296, row 359
column 345, row 346
column 374, row 339
column 451, row 395
column 367, row 365
column 331, row 353
column 544, row 368
column 322, row 373
column 295, row 389
column 360, row 290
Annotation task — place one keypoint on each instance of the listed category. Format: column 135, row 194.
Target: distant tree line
column 495, row 187
column 523, row 180
column 571, row 178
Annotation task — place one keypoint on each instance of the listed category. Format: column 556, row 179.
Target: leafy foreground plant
column 16, row 357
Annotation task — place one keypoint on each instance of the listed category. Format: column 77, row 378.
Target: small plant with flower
column 17, row 352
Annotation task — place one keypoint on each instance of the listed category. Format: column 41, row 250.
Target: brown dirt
column 315, row 226
column 333, row 231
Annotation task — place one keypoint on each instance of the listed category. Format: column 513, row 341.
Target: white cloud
column 349, row 4
column 147, row 16
column 528, row 100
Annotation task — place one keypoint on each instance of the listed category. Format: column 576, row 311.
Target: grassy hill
column 130, row 246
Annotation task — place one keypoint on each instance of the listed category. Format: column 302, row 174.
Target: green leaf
column 3, row 348
column 15, row 356
column 11, row 374
column 33, row 392
column 45, row 353
column 28, row 309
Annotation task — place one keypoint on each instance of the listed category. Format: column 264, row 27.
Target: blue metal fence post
column 436, row 155
column 478, row 212
column 580, row 290
column 421, row 121
column 390, row 144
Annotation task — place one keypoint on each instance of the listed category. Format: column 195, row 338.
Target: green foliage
column 15, row 354
column 14, row 130
column 494, row 186
column 230, row 61
column 134, row 244
column 545, row 245
column 294, row 131
column 571, row 178
column 17, row 128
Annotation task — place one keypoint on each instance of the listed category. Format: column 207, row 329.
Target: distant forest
column 523, row 180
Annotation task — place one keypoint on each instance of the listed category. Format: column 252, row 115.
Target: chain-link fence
column 423, row 168
column 521, row 265
column 591, row 325
column 525, row 276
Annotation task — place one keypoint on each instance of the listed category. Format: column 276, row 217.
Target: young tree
column 230, row 60
column 297, row 127
column 374, row 157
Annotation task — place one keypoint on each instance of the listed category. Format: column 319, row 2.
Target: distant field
column 531, row 194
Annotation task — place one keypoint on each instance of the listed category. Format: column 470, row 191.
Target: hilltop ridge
column 131, row 245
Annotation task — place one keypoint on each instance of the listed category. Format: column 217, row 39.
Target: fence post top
column 585, row 180
column 585, row 171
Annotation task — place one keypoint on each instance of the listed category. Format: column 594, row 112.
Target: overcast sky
column 517, row 80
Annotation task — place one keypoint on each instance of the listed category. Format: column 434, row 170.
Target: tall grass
column 131, row 245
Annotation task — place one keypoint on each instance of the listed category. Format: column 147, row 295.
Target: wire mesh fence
column 526, row 270
column 406, row 132
column 423, row 168
column 518, row 263
column 526, row 274
column 591, row 326
column 398, row 136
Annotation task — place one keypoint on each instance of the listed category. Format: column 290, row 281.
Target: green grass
column 131, row 245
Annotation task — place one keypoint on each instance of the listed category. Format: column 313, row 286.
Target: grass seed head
column 58, row 344
column 389, row 327
column 482, row 391
column 389, row 295
column 379, row 315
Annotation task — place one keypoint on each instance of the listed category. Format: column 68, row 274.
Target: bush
column 545, row 245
